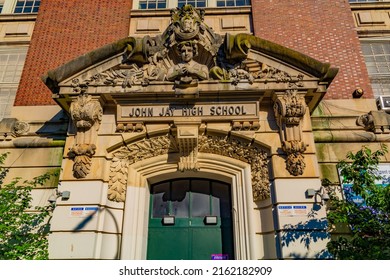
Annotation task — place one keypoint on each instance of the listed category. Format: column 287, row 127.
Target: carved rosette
column 377, row 122
column 289, row 109
column 144, row 149
column 21, row 128
column 86, row 115
column 246, row 152
column 366, row 121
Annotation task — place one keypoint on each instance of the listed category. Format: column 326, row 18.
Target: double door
column 190, row 219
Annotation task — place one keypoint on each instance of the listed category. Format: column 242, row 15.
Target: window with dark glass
column 152, row 4
column 26, row 7
column 194, row 3
column 11, row 66
column 233, row 3
column 377, row 57
column 191, row 198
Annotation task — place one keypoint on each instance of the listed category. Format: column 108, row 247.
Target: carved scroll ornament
column 289, row 109
column 86, row 115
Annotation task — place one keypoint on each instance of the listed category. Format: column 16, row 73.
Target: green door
column 190, row 219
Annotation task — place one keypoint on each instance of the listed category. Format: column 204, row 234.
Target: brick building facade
column 102, row 98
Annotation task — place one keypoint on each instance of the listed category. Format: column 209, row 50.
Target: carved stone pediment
column 190, row 72
column 189, row 58
column 124, row 74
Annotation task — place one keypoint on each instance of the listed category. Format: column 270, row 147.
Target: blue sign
column 383, row 171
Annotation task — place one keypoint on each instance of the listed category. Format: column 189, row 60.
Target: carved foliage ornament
column 246, row 152
column 289, row 108
column 295, row 162
column 225, row 146
column 144, row 149
column 86, row 115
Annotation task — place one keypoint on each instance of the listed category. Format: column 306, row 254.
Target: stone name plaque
column 207, row 111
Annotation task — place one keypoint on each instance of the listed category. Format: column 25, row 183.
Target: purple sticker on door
column 219, row 256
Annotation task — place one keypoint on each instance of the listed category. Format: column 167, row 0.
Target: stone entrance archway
column 198, row 102
column 236, row 161
column 248, row 245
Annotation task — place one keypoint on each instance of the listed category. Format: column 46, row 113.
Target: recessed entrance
column 190, row 219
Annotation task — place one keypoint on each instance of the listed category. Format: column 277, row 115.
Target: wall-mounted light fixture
column 321, row 193
column 65, row 195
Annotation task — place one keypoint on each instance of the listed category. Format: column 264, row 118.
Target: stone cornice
column 370, row 6
column 17, row 17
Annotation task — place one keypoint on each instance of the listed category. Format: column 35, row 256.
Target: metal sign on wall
column 383, row 172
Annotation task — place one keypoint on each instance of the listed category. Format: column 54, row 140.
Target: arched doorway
column 190, row 218
column 144, row 174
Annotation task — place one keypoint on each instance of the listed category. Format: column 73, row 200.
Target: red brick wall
column 65, row 30
column 322, row 29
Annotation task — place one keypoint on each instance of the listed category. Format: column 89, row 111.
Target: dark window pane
column 18, row 10
column 202, row 4
column 27, row 10
column 160, row 200
column 161, row 5
column 229, row 3
column 200, row 198
column 180, row 198
column 221, row 200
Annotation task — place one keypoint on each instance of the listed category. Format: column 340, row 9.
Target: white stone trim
column 144, row 173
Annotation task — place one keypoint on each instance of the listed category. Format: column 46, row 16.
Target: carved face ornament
column 187, row 53
column 187, row 24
